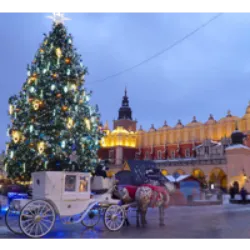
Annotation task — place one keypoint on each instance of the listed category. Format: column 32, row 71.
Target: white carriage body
column 99, row 183
column 69, row 192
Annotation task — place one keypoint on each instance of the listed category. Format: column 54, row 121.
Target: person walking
column 243, row 194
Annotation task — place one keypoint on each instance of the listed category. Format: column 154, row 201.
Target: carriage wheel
column 92, row 218
column 114, row 217
column 12, row 221
column 37, row 218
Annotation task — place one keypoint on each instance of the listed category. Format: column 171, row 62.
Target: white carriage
column 66, row 195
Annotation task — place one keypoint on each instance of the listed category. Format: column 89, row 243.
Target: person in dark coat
column 232, row 192
column 101, row 171
column 243, row 193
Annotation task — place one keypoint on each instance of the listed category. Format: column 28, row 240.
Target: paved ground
column 231, row 221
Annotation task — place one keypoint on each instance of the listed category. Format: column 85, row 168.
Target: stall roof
column 178, row 179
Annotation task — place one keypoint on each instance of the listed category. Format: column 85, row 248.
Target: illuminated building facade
column 196, row 148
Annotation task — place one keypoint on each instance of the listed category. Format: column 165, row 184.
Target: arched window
column 159, row 155
column 187, row 152
column 173, row 154
column 147, row 157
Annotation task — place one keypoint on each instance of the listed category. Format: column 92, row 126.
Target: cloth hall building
column 217, row 151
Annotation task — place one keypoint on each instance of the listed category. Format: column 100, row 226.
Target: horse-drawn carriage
column 66, row 195
column 69, row 196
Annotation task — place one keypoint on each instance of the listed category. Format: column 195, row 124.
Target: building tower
column 125, row 116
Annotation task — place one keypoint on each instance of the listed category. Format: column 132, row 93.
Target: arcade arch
column 218, row 178
column 179, row 171
column 198, row 173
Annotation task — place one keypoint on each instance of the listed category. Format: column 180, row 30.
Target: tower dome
column 237, row 136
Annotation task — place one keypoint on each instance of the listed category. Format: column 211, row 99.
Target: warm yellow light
column 110, row 174
column 41, row 147
column 164, row 172
column 36, row 104
column 73, row 87
column 11, row 109
column 70, row 123
column 58, row 52
column 32, row 79
column 87, row 123
column 16, row 136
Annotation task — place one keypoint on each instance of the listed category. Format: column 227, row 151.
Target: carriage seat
column 100, row 184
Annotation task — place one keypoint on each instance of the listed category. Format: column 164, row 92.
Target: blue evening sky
column 208, row 73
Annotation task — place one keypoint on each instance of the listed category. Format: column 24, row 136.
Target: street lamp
column 245, row 175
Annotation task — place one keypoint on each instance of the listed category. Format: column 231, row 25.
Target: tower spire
column 125, row 111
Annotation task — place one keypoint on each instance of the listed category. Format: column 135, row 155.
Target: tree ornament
column 11, row 154
column 65, row 89
column 41, row 147
column 54, row 75
column 11, row 109
column 58, row 95
column 73, row 87
column 53, row 86
column 70, row 123
column 32, row 89
column 63, row 144
column 36, row 104
column 67, row 60
column 64, row 108
column 68, row 72
column 69, row 41
column 48, row 66
column 41, row 51
column 16, row 136
column 31, row 128
column 5, row 167
column 87, row 123
column 32, row 79
column 58, row 52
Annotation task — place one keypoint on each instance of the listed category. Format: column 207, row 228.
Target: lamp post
column 245, row 175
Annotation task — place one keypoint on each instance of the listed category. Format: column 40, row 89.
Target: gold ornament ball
column 67, row 60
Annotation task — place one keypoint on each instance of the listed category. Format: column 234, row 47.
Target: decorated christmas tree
column 53, row 126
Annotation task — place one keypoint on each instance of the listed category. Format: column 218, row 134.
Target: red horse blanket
column 159, row 190
column 131, row 191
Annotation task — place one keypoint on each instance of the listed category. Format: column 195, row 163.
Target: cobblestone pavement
column 228, row 221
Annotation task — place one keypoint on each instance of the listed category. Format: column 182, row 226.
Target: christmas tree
column 53, row 126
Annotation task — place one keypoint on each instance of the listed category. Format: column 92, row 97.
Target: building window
column 147, row 155
column 187, row 152
column 137, row 156
column 111, row 154
column 173, row 154
column 159, row 155
column 207, row 150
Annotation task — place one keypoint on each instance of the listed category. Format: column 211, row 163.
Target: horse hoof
column 162, row 225
column 137, row 225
